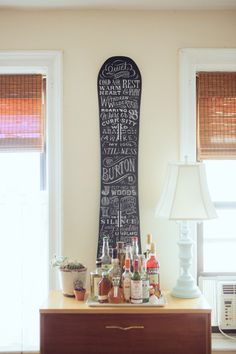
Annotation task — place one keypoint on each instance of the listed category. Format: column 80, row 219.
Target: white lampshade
column 185, row 194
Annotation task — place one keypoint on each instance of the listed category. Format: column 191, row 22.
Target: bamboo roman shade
column 216, row 115
column 21, row 113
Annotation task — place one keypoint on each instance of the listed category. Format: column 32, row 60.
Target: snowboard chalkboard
column 119, row 94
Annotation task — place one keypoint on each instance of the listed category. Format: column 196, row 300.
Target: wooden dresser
column 68, row 326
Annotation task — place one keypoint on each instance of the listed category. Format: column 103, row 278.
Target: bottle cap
column 120, row 244
column 153, row 247
column 149, row 238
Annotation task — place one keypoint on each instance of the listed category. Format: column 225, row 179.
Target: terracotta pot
column 80, row 294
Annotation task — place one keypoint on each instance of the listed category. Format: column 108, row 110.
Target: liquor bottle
column 136, row 285
column 115, row 270
column 134, row 250
column 148, row 245
column 145, row 279
column 153, row 299
column 95, row 278
column 116, row 295
column 153, row 268
column 128, row 252
column 104, row 286
column 121, row 254
column 126, row 280
column 106, row 258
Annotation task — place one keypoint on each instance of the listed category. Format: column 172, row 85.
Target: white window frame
column 50, row 64
column 192, row 60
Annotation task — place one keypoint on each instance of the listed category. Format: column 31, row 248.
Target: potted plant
column 71, row 273
column 79, row 290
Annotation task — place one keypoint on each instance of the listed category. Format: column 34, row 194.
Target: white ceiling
column 122, row 4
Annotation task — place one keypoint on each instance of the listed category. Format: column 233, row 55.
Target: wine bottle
column 153, row 268
column 95, row 278
column 136, row 285
column 106, row 258
column 134, row 251
column 115, row 270
column 145, row 279
column 126, row 280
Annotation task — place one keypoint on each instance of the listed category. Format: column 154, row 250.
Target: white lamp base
column 186, row 286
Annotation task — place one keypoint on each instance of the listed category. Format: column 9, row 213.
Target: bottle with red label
column 153, row 270
column 136, row 285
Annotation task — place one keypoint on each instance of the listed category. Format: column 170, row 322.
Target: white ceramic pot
column 70, row 278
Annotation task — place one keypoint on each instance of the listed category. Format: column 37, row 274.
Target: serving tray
column 161, row 302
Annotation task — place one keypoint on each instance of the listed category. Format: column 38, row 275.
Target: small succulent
column 78, row 285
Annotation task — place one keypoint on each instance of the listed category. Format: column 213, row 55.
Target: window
column 30, row 222
column 24, row 207
column 216, row 146
column 213, row 141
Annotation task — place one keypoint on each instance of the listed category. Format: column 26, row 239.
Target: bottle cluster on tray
column 126, row 276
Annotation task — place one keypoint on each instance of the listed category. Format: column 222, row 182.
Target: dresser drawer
column 128, row 333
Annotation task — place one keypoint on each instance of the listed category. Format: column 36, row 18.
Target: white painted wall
column 87, row 39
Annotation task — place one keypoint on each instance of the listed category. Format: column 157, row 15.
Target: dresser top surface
column 58, row 303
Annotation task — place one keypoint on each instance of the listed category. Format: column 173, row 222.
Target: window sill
column 223, row 344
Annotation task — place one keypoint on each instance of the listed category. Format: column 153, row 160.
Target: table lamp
column 185, row 197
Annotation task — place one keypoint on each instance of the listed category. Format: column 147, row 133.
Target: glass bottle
column 134, row 250
column 121, row 253
column 145, row 279
column 153, row 270
column 95, row 278
column 153, row 299
column 104, row 286
column 126, row 281
column 136, row 285
column 128, row 252
column 106, row 258
column 116, row 295
column 115, row 270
